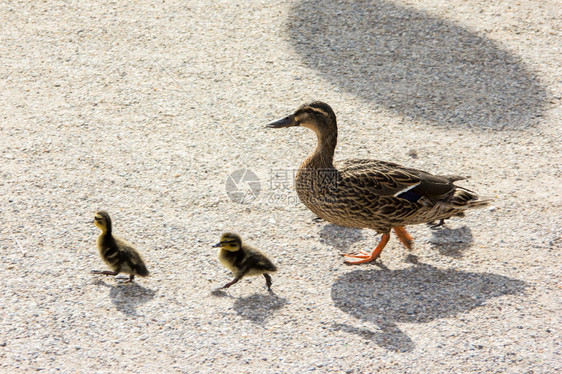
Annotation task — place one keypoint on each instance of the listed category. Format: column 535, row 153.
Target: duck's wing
column 389, row 179
column 129, row 255
column 256, row 260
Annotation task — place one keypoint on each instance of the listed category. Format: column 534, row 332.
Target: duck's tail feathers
column 466, row 199
column 141, row 270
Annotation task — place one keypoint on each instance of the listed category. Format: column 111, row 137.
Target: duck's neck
column 323, row 155
column 107, row 229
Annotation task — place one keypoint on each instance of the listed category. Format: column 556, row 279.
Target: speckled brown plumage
column 370, row 194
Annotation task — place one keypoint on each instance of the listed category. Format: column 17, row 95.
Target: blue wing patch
column 410, row 195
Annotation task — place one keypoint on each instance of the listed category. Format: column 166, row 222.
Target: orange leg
column 363, row 257
column 404, row 237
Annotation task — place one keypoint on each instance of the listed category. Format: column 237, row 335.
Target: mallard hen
column 370, row 194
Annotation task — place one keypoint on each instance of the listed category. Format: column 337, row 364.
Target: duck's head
column 102, row 221
column 230, row 242
column 317, row 116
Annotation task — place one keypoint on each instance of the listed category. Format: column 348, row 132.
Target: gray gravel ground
column 145, row 108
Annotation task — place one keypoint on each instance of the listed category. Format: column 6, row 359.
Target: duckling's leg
column 232, row 282
column 364, row 257
column 104, row 272
column 267, row 281
column 403, row 236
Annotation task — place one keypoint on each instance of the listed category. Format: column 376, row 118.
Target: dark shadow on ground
column 339, row 237
column 452, row 242
column 416, row 64
column 128, row 296
column 258, row 307
column 419, row 294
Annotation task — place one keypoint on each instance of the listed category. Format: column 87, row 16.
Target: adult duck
column 378, row 195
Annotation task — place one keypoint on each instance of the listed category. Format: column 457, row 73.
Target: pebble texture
column 145, row 108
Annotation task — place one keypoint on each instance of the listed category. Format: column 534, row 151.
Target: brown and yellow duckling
column 368, row 193
column 243, row 260
column 119, row 254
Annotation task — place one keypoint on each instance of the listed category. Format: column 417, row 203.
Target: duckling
column 370, row 194
column 119, row 254
column 243, row 260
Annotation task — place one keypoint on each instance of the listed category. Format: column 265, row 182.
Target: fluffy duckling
column 119, row 254
column 379, row 195
column 243, row 260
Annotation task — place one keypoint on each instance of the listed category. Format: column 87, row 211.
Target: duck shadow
column 339, row 237
column 451, row 242
column 127, row 296
column 419, row 294
column 416, row 64
column 258, row 307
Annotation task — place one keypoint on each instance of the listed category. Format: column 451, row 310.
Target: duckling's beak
column 216, row 245
column 284, row 122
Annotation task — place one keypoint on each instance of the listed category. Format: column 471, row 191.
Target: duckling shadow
column 452, row 242
column 128, row 296
column 416, row 64
column 339, row 237
column 258, row 307
column 419, row 294
column 219, row 292
column 388, row 336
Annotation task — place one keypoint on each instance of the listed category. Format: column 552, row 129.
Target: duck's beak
column 216, row 245
column 284, row 122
